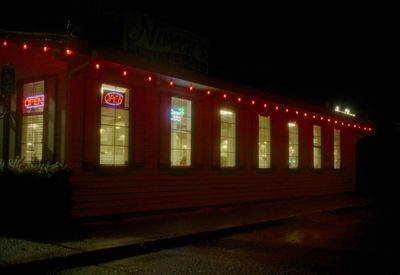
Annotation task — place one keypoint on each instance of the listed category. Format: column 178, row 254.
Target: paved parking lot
column 351, row 241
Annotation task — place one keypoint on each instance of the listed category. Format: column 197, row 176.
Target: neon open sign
column 35, row 101
column 113, row 99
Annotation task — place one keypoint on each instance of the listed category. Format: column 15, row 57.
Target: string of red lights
column 69, row 52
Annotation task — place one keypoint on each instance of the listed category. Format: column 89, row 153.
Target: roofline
column 39, row 35
column 119, row 57
column 211, row 82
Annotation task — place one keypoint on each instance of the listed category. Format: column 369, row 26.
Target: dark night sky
column 333, row 54
column 318, row 53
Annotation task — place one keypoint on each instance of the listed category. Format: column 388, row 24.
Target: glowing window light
column 227, row 138
column 336, row 149
column 112, row 143
column 293, row 145
column 35, row 101
column 264, row 141
column 225, row 112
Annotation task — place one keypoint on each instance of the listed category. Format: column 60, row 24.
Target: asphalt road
column 355, row 241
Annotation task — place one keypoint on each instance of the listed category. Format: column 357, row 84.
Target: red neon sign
column 35, row 101
column 113, row 99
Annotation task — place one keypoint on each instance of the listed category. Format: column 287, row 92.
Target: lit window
column 181, row 131
column 114, row 125
column 228, row 138
column 336, row 149
column 317, row 143
column 264, row 142
column 32, row 122
column 293, row 145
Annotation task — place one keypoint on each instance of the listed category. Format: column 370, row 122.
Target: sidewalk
column 92, row 244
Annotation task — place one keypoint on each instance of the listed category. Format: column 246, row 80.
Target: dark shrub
column 35, row 196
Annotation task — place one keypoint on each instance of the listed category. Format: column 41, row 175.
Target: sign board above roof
column 159, row 42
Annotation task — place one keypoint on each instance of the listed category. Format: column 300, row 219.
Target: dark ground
column 352, row 241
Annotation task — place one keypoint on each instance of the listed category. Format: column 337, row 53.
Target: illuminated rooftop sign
column 346, row 111
column 35, row 101
column 113, row 99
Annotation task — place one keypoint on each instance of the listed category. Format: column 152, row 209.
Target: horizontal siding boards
column 149, row 184
column 111, row 196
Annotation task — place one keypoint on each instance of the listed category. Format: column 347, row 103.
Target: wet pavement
column 351, row 241
column 97, row 244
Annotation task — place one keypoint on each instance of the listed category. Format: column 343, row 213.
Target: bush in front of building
column 34, row 196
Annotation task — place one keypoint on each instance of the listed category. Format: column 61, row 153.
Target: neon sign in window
column 113, row 99
column 35, row 101
column 114, row 126
column 177, row 113
column 32, row 122
column 181, row 132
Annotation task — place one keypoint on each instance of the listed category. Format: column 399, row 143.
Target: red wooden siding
column 150, row 184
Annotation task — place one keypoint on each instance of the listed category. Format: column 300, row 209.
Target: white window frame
column 32, row 128
column 264, row 142
column 227, row 138
column 181, row 126
column 317, row 147
column 337, row 153
column 293, row 147
column 111, row 123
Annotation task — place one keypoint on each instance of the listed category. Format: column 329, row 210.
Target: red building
column 144, row 139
